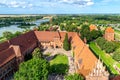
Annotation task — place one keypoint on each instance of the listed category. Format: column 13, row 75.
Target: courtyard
column 61, row 63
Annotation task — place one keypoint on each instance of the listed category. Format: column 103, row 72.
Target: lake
column 14, row 28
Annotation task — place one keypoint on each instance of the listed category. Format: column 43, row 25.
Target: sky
column 59, row 6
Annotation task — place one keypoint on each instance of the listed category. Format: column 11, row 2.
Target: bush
column 116, row 55
column 109, row 47
column 37, row 53
column 59, row 68
column 74, row 77
column 34, row 69
column 101, row 41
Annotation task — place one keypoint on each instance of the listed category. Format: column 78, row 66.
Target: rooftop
column 109, row 30
column 92, row 27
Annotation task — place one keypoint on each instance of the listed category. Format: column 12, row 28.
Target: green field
column 59, row 64
column 106, row 58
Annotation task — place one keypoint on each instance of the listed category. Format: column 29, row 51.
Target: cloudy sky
column 59, row 6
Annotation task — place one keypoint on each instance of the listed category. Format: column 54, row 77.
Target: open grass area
column 107, row 59
column 59, row 64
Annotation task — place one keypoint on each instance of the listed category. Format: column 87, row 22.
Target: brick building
column 93, row 27
column 109, row 34
column 12, row 52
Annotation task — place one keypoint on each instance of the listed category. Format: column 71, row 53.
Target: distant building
column 13, row 52
column 93, row 27
column 109, row 34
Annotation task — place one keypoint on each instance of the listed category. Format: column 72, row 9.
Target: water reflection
column 14, row 28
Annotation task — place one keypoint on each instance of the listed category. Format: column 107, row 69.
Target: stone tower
column 109, row 34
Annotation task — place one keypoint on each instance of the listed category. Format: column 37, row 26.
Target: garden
column 59, row 64
column 106, row 58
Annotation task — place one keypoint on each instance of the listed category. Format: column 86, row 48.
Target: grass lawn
column 59, row 64
column 107, row 59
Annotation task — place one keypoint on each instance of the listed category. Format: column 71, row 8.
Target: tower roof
column 92, row 27
column 109, row 30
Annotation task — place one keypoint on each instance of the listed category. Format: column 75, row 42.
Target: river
column 14, row 28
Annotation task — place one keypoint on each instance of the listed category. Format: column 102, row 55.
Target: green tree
column 95, row 34
column 74, row 77
column 109, row 47
column 17, row 33
column 85, row 32
column 37, row 53
column 8, row 35
column 34, row 69
column 100, row 42
column 66, row 44
column 116, row 55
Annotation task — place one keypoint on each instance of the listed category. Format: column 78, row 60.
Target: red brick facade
column 109, row 34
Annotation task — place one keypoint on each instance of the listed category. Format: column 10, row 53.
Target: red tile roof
column 46, row 35
column 24, row 41
column 50, row 35
column 109, row 30
column 8, row 50
column 4, row 46
column 6, row 56
column 70, row 35
column 93, row 27
column 83, row 53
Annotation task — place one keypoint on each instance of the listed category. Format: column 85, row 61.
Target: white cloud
column 46, row 3
column 90, row 3
column 77, row 2
column 15, row 4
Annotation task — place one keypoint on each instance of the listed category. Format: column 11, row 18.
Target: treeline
column 74, row 22
column 94, row 19
column 9, row 35
column 7, row 21
column 25, row 25
column 89, row 35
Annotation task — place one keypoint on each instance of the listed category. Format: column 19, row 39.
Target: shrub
column 74, row 77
